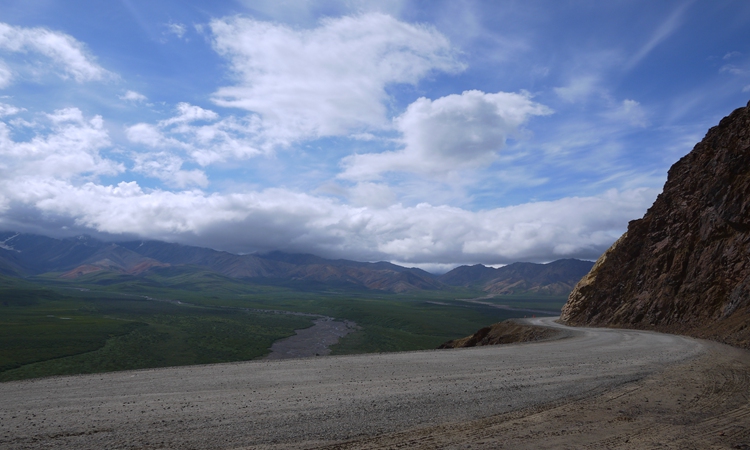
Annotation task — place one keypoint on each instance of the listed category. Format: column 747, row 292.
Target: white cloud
column 8, row 110
column 451, row 133
column 133, row 96
column 177, row 29
column 305, row 12
column 580, row 88
column 730, row 55
column 68, row 55
column 280, row 219
column 662, row 32
column 70, row 148
column 207, row 143
column 149, row 135
column 373, row 195
column 168, row 168
column 733, row 70
column 6, row 75
column 190, row 113
column 629, row 111
column 326, row 81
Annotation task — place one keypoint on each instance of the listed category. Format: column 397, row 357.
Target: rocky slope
column 507, row 332
column 685, row 266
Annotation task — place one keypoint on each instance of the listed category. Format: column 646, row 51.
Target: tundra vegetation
column 106, row 322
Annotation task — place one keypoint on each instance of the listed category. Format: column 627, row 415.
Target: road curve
column 305, row 403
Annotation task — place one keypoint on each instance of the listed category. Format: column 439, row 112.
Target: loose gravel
column 306, row 403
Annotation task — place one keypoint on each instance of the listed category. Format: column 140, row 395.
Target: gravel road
column 314, row 402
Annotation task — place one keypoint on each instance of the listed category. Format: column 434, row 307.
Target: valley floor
column 596, row 389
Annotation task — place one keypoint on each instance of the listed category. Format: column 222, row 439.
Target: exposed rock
column 685, row 266
column 507, row 332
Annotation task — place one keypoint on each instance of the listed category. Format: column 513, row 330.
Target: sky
column 426, row 133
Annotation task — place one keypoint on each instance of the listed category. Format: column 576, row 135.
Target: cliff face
column 685, row 266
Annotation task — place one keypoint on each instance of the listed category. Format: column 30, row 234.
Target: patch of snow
column 4, row 245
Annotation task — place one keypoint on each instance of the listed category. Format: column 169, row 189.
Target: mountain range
column 83, row 257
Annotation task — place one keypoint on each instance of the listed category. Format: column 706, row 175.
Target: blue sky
column 427, row 133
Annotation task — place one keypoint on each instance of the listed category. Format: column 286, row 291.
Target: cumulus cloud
column 451, row 133
column 68, row 56
column 133, row 96
column 281, row 219
column 326, row 81
column 201, row 134
column 69, row 147
column 168, row 168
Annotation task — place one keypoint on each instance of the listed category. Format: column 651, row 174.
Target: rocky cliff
column 685, row 266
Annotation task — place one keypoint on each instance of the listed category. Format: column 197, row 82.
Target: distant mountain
column 468, row 275
column 24, row 255
column 72, row 258
column 555, row 278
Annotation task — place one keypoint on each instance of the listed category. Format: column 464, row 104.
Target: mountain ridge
column 23, row 255
column 554, row 278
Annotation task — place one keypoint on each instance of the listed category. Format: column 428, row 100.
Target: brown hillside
column 507, row 332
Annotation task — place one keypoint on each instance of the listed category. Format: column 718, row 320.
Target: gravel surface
column 313, row 402
column 312, row 341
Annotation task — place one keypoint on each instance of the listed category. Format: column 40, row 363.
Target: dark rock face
column 685, row 266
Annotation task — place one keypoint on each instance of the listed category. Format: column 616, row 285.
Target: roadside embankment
column 510, row 331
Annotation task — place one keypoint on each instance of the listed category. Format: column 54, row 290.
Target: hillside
column 23, row 255
column 555, row 278
column 684, row 266
column 82, row 256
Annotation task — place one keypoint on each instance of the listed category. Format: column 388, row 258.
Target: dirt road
column 596, row 389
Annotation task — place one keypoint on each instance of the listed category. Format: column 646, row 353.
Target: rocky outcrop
column 507, row 332
column 685, row 266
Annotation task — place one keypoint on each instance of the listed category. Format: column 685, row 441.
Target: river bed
column 313, row 341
